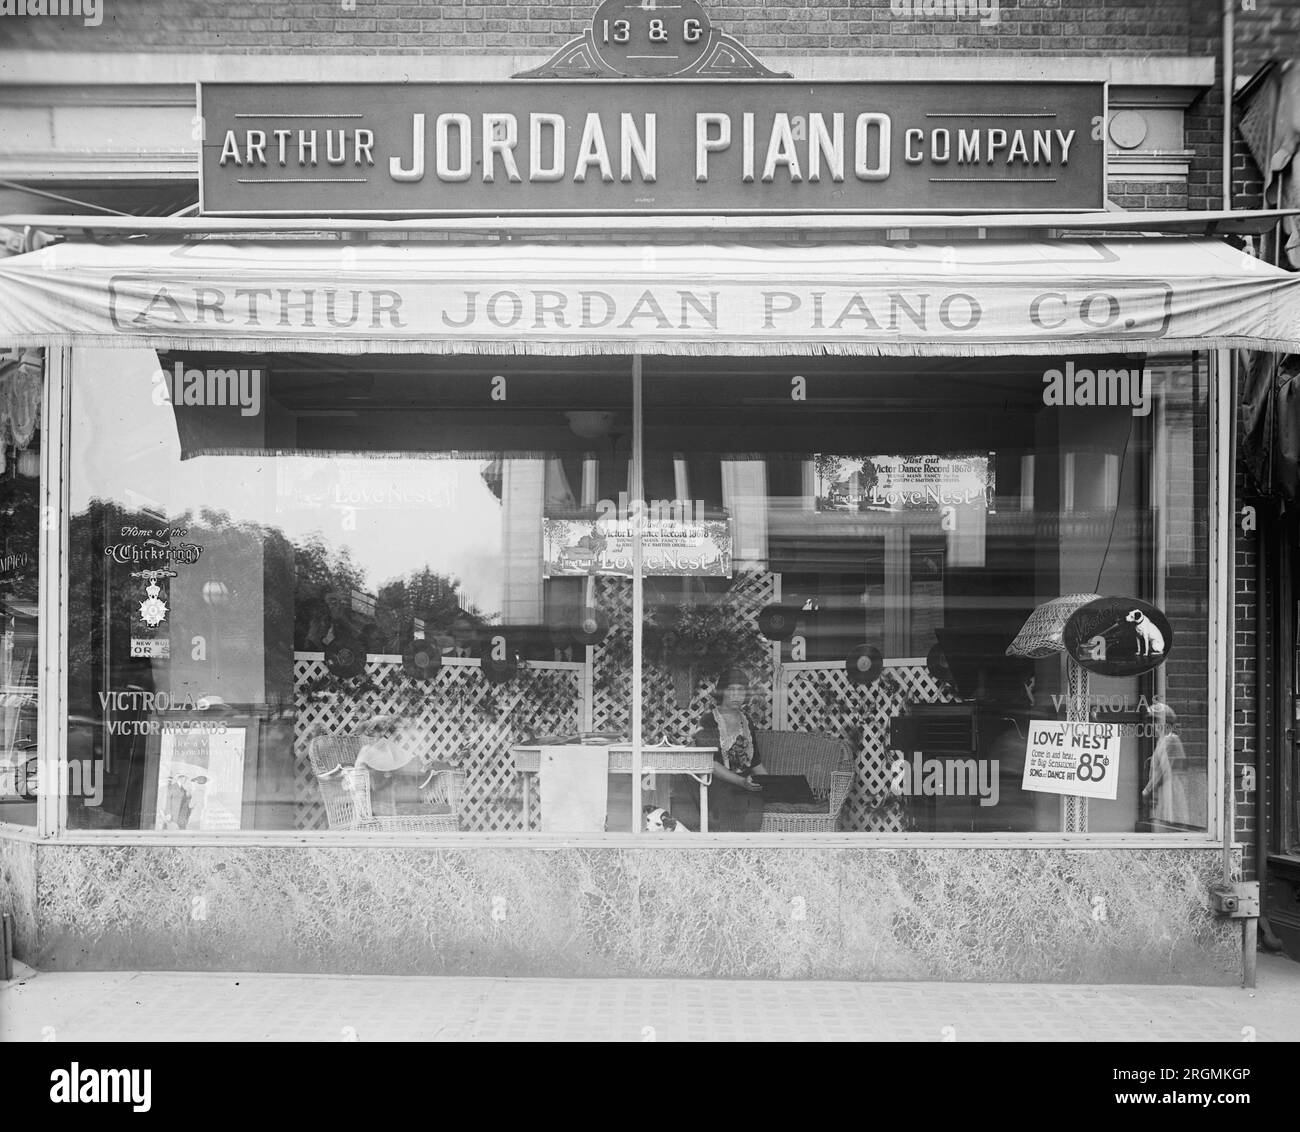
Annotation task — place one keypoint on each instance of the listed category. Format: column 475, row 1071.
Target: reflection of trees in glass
column 323, row 570
column 19, row 532
column 101, row 606
column 327, row 576
column 229, row 626
column 242, row 587
column 19, row 558
column 324, row 580
column 423, row 593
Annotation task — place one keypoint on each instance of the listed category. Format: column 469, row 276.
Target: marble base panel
column 1014, row 915
column 18, row 892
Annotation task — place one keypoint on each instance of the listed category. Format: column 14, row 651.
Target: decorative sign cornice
column 645, row 39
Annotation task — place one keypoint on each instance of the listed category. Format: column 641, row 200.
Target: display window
column 671, row 595
column 21, row 391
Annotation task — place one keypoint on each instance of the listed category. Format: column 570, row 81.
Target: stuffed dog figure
column 659, row 820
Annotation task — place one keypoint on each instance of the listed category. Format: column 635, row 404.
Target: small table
column 694, row 762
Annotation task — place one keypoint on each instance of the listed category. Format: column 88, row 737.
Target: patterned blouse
column 738, row 756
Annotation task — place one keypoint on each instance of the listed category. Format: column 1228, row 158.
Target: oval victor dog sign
column 1118, row 636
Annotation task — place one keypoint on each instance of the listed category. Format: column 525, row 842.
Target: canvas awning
column 1153, row 295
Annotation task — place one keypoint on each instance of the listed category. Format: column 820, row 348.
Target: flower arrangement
column 703, row 635
column 700, row 636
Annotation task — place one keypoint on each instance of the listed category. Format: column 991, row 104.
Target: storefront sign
column 629, row 146
column 164, row 710
column 631, row 37
column 1080, row 759
column 973, row 297
column 377, row 481
column 633, row 300
column 13, row 568
column 155, row 548
column 669, row 548
column 151, row 648
column 1118, row 636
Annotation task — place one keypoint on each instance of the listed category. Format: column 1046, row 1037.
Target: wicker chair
column 823, row 760
column 345, row 789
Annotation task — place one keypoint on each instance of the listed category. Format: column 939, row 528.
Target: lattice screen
column 460, row 717
column 818, row 696
column 663, row 718
column 457, row 716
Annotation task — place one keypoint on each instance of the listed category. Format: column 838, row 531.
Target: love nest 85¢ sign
column 1077, row 758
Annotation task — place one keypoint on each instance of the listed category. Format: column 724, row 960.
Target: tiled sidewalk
column 171, row 1006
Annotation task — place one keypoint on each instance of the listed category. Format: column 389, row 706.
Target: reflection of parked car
column 18, row 722
column 18, row 773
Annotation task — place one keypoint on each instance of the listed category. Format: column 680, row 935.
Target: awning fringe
column 651, row 347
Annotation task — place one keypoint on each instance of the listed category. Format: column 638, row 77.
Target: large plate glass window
column 882, row 555
column 21, row 440
column 314, row 593
column 877, row 596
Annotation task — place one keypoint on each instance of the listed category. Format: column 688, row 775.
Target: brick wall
column 1135, row 196
column 1271, row 32
column 1045, row 27
column 1028, row 27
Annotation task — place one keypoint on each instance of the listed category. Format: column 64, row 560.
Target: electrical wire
column 55, row 196
column 1114, row 515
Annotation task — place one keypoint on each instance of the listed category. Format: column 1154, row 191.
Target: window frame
column 52, row 808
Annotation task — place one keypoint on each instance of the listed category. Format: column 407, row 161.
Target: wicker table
column 695, row 762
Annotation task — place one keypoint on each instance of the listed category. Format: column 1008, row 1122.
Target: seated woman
column 736, row 792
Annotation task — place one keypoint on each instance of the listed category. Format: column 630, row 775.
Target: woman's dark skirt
column 732, row 809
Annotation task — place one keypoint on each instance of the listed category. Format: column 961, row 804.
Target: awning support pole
column 637, row 492
column 52, row 599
